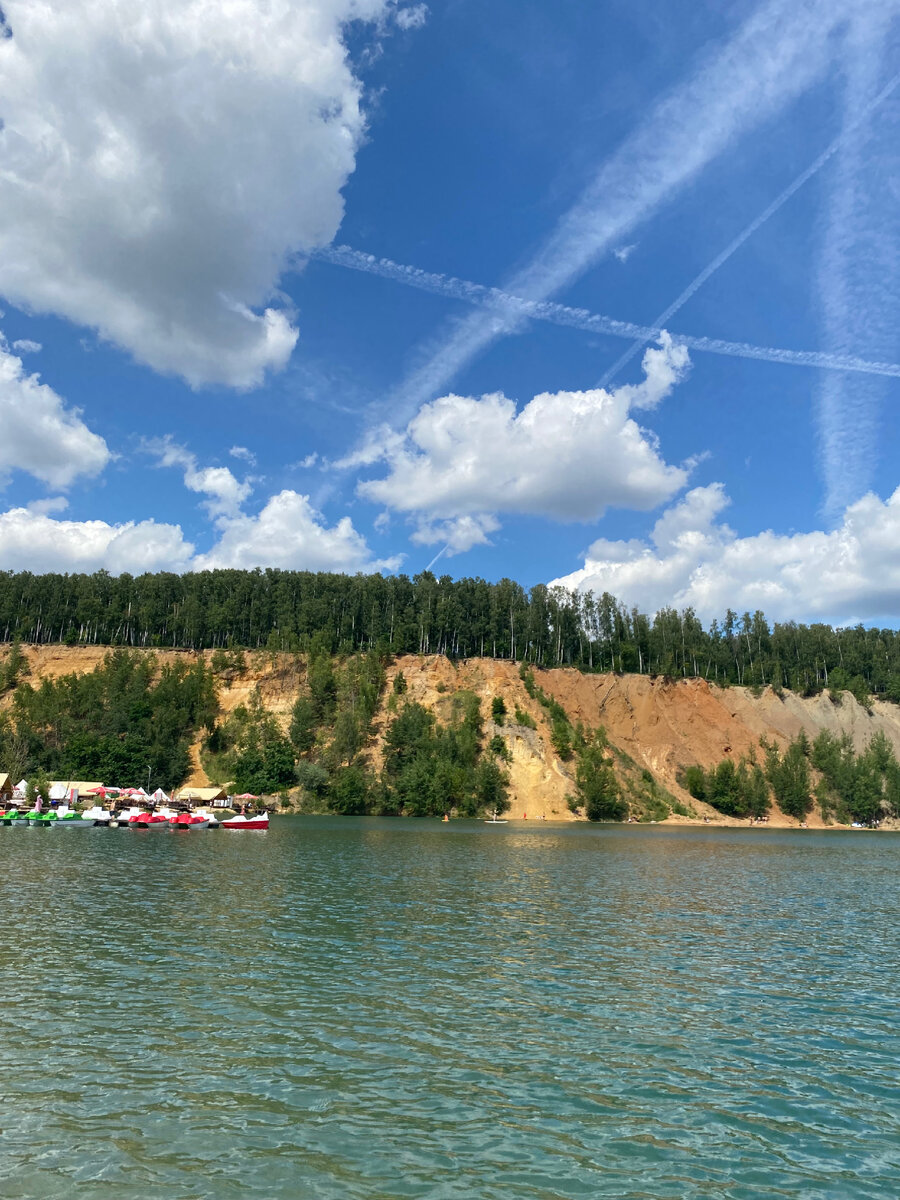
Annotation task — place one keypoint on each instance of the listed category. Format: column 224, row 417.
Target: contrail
column 720, row 259
column 775, row 55
column 506, row 307
column 859, row 274
column 437, row 556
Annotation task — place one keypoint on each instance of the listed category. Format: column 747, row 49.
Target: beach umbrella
column 247, row 796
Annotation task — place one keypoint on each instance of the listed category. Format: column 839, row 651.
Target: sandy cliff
column 658, row 724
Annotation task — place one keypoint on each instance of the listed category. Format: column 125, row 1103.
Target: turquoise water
column 365, row 1008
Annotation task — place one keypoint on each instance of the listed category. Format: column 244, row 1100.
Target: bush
column 498, row 710
column 695, row 782
column 561, row 738
column 313, row 778
column 350, row 792
column 525, row 719
column 498, row 746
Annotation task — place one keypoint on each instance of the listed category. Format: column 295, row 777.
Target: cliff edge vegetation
column 427, row 735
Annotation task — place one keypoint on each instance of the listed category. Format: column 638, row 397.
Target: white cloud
column 693, row 558
column 458, row 535
column 39, row 434
column 161, row 162
column 34, row 541
column 779, row 51
column 50, row 504
column 289, row 533
column 623, row 253
column 413, row 17
column 27, row 346
column 566, row 455
column 858, row 280
column 225, row 494
column 244, row 454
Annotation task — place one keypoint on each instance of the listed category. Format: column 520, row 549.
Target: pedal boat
column 257, row 821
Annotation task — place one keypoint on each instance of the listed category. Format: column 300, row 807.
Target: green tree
column 491, row 787
column 498, row 746
column 790, row 779
column 303, row 725
column 350, row 793
column 561, row 739
column 695, row 781
column 597, row 789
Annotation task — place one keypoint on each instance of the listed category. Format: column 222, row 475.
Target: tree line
column 542, row 627
column 129, row 722
column 853, row 787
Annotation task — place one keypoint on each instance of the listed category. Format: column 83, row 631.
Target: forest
column 130, row 722
column 543, row 627
column 862, row 787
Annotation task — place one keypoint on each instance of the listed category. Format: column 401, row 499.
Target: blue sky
column 244, row 261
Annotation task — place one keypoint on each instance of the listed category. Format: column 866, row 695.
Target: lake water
column 365, row 1008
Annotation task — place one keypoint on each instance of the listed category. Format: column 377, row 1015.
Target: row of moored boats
column 64, row 817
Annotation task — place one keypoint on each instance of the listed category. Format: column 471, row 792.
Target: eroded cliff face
column 657, row 724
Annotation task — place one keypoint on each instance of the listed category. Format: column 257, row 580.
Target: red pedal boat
column 189, row 821
column 257, row 821
column 146, row 820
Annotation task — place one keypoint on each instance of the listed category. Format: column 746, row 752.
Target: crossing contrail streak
column 722, row 258
column 506, row 307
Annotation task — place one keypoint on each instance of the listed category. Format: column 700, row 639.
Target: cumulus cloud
column 50, row 504
column 458, row 535
column 162, row 161
column 566, row 455
column 32, row 540
column 290, row 533
column 27, row 346
column 40, row 435
column 287, row 533
column 694, row 558
column 224, row 493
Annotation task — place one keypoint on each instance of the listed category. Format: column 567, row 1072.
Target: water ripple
column 390, row 1009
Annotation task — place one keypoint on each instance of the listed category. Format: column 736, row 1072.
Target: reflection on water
column 362, row 1008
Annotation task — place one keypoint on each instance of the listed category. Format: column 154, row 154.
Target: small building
column 6, row 789
column 203, row 795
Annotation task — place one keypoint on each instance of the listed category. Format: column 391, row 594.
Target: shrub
column 498, row 746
